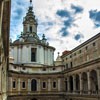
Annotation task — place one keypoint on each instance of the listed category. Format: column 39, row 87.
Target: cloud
column 77, row 9
column 67, row 21
column 64, row 31
column 94, row 15
column 19, row 13
column 63, row 13
column 78, row 36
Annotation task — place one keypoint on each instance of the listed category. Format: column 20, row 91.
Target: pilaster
column 19, row 87
column 74, row 83
column 49, row 84
column 98, row 78
column 81, row 84
column 89, row 85
column 29, row 85
column 68, row 84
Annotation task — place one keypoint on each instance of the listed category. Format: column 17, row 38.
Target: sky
column 65, row 23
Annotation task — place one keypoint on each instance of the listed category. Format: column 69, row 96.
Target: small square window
column 24, row 68
column 44, row 69
column 93, row 43
column 54, row 68
column 70, row 56
column 74, row 54
column 14, row 67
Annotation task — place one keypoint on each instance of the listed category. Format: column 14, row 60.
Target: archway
column 33, row 85
column 85, row 82
column 71, row 83
column 34, row 99
column 94, row 83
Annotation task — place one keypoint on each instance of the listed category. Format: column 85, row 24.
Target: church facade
column 32, row 73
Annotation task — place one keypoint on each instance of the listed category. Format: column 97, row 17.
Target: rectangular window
column 54, row 84
column 44, row 85
column 80, row 51
column 23, row 84
column 67, row 66
column 14, row 84
column 71, row 64
column 31, row 29
column 33, row 54
column 86, row 47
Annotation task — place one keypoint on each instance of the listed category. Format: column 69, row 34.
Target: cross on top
column 30, row 1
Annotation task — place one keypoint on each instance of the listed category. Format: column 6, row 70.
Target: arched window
column 33, row 85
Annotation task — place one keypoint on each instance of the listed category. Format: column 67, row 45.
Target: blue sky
column 66, row 23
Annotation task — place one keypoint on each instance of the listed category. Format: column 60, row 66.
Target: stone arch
column 85, row 82
column 71, row 83
column 77, row 83
column 33, row 85
column 93, row 81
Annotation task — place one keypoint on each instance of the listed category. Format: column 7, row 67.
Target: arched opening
column 34, row 99
column 94, row 83
column 85, row 82
column 77, row 83
column 71, row 83
column 33, row 85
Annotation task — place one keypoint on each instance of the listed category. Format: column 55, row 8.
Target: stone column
column 89, row 85
column 68, row 84
column 81, row 83
column 74, row 83
column 98, row 79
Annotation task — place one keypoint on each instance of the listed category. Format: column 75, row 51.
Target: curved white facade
column 22, row 54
